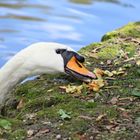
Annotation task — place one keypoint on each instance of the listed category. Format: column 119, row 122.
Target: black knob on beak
column 80, row 58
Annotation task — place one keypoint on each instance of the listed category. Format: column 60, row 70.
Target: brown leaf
column 30, row 133
column 43, row 131
column 100, row 117
column 62, row 87
column 125, row 114
column 72, row 89
column 95, row 85
column 85, row 117
column 20, row 104
column 114, row 100
column 109, row 62
column 126, row 98
column 108, row 73
column 99, row 73
column 138, row 63
column 30, row 116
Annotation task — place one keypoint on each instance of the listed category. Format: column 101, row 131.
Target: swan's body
column 36, row 59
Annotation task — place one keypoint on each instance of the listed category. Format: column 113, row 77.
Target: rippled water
column 72, row 22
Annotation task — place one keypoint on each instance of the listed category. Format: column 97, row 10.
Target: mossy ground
column 112, row 113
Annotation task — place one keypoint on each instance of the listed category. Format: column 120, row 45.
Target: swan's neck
column 10, row 75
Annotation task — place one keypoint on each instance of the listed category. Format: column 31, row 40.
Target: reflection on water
column 118, row 2
column 82, row 1
column 72, row 22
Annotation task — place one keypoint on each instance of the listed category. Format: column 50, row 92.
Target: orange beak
column 78, row 70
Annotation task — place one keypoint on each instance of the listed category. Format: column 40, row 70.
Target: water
column 72, row 22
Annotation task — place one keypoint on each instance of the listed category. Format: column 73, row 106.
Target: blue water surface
column 76, row 23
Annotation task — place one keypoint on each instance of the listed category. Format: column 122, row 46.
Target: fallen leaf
column 94, row 55
column 123, row 54
column 114, row 100
column 109, row 127
column 138, row 63
column 95, row 85
column 112, row 127
column 102, row 63
column 108, row 73
column 109, row 62
column 100, row 82
column 114, row 72
column 42, row 131
column 98, row 72
column 64, row 115
column 63, row 87
column 137, row 121
column 50, row 90
column 136, row 93
column 20, row 104
column 127, row 65
column 121, row 109
column 5, row 124
column 125, row 114
column 126, row 98
column 30, row 133
column 31, row 116
column 72, row 89
column 100, row 117
column 85, row 117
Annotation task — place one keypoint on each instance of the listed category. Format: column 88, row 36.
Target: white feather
column 36, row 59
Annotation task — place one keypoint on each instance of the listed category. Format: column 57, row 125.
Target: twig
column 96, row 49
column 112, row 87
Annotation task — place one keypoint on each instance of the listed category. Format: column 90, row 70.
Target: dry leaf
column 63, row 87
column 114, row 72
column 108, row 73
column 85, row 117
column 50, row 90
column 94, row 55
column 109, row 127
column 109, row 62
column 99, row 73
column 43, row 131
column 20, row 104
column 138, row 63
column 30, row 116
column 102, row 63
column 120, row 72
column 100, row 117
column 114, row 100
column 95, row 85
column 30, row 133
column 100, row 82
column 125, row 114
column 72, row 89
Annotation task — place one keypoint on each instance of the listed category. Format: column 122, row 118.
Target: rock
column 58, row 137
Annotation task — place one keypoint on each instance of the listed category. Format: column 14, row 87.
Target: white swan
column 40, row 58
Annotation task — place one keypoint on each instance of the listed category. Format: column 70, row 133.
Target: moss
column 108, row 52
column 76, row 125
column 130, row 30
column 19, row 134
column 44, row 97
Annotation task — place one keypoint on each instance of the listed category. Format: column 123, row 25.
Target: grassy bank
column 59, row 107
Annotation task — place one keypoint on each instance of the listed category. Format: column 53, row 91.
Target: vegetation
column 58, row 107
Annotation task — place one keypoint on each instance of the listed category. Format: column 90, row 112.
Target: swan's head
column 73, row 64
column 55, row 57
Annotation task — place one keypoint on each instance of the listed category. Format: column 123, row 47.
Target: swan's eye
column 60, row 51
